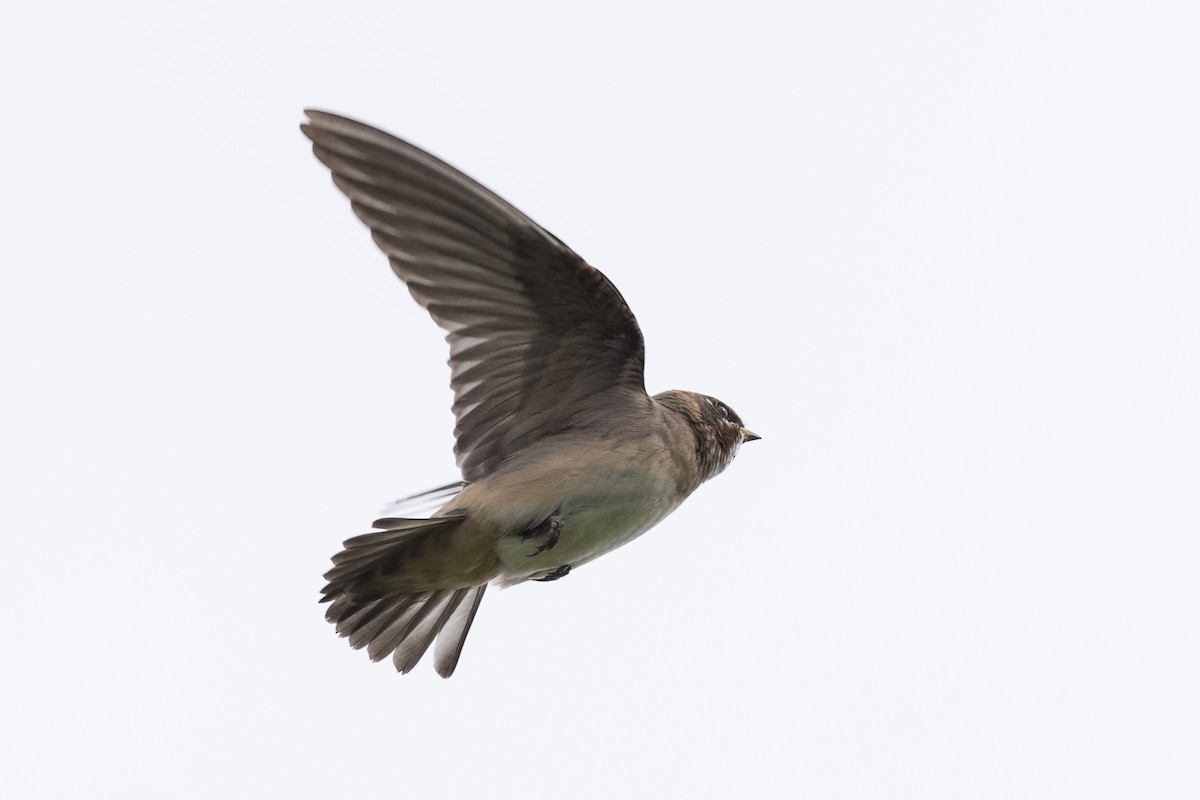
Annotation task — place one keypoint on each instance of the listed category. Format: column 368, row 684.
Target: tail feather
column 380, row 597
column 421, row 637
column 366, row 552
column 349, row 617
column 454, row 634
column 382, row 613
column 394, row 635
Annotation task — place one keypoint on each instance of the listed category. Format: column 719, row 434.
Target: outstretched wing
column 534, row 331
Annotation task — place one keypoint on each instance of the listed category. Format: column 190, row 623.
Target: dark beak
column 749, row 436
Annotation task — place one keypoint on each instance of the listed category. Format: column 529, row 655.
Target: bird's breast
column 603, row 497
column 593, row 524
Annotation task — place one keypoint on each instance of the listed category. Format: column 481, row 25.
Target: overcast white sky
column 945, row 257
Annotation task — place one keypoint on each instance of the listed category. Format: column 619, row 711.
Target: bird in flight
column 564, row 456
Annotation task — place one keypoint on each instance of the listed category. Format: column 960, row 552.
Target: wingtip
column 314, row 120
column 329, row 120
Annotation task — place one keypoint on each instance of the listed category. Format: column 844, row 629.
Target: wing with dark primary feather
column 534, row 331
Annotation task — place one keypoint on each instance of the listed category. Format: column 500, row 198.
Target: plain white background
column 943, row 256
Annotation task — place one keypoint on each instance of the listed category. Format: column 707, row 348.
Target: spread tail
column 396, row 591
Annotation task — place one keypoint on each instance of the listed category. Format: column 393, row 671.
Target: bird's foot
column 556, row 574
column 550, row 530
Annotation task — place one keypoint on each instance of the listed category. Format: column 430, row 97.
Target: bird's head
column 719, row 430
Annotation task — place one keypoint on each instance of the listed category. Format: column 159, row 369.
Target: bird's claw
column 550, row 531
column 555, row 574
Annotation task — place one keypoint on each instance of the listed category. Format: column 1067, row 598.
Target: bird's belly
column 593, row 524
